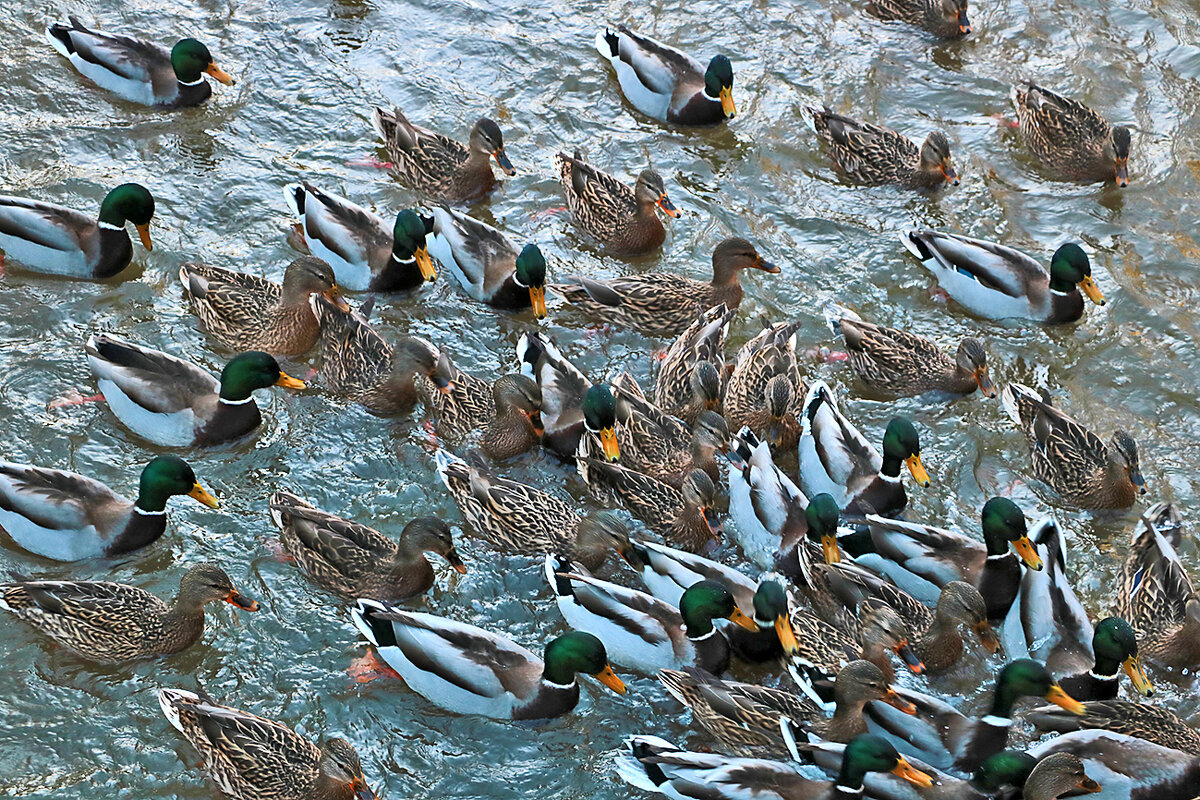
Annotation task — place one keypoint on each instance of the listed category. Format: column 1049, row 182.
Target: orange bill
column 201, row 496
column 1133, row 668
column 911, row 774
column 667, row 206
column 537, row 300
column 288, row 382
column 787, row 636
column 334, row 295
column 502, row 159
column 740, row 619
column 985, row 382
column 893, row 699
column 917, row 469
column 727, row 104
column 219, row 74
column 144, row 234
column 456, row 562
column 234, row 598
column 361, row 790
column 425, row 264
column 1028, row 553
column 1089, row 287
column 1064, row 701
column 910, row 658
column 610, row 679
column 608, row 440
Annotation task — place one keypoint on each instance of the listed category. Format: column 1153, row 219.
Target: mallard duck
column 1131, row 768
column 663, row 304
column 684, row 517
column 468, row 670
column 1156, row 724
column 56, row 240
column 838, row 460
column 113, row 622
column 68, row 517
column 1115, row 645
column 998, row 282
column 667, row 84
column 352, row 560
column 897, row 362
column 668, row 573
column 772, row 614
column 1070, row 139
column 138, row 70
column 174, row 403
column 764, row 391
column 246, row 312
column 620, row 218
column 945, row 18
column 516, row 518
column 688, row 381
column 364, row 254
column 1083, row 469
column 810, row 550
column 762, row 498
column 252, row 758
column 438, row 166
column 508, row 411
column 873, row 155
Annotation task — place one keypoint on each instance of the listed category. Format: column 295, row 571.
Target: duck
column 55, row 240
column 994, row 281
column 116, row 623
column 1115, row 645
column 66, row 516
column 253, row 758
column 352, row 560
column 873, row 155
column 1128, row 766
column 763, row 500
column 684, row 517
column 138, row 70
column 436, row 165
column 174, row 403
column 245, row 312
column 1155, row 724
column 364, row 254
column 663, row 304
column 838, row 460
column 688, row 381
column 1082, row 468
column 621, row 219
column 764, row 389
column 775, row 637
column 896, row 362
column 488, row 266
column 811, row 549
column 667, row 84
column 946, row 19
column 1068, row 138
column 469, row 670
column 667, row 573
column 508, row 411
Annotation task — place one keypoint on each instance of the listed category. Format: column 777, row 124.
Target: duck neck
column 849, row 782
column 558, row 676
column 1002, row 707
column 891, row 468
column 151, row 500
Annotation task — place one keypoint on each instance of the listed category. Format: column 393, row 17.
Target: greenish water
column 308, row 74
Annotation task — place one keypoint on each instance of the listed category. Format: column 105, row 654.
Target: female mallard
column 688, row 381
column 1070, row 139
column 945, row 18
column 138, row 70
column 1156, row 724
column 997, row 282
column 684, row 517
column 824, row 648
column 364, row 254
column 113, row 622
column 438, row 166
column 487, row 264
column 56, row 240
column 508, row 411
column 620, row 218
column 251, row 758
column 1131, row 767
column 662, row 304
column 1084, row 470
column 468, row 670
column 174, row 403
column 67, row 516
column 873, row 155
column 667, row 84
column 246, row 312
column 764, row 392
column 1115, row 646
column 352, row 560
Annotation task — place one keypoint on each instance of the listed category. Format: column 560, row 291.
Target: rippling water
column 308, row 73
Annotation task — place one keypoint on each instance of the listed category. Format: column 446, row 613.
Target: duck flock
column 822, row 589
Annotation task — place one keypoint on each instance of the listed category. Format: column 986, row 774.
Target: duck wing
column 54, row 499
column 156, row 381
column 485, row 257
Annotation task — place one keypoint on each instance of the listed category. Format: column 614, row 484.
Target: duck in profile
column 1071, row 140
column 874, row 156
column 617, row 216
column 945, row 18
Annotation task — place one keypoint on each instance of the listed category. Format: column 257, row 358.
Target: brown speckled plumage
column 1145, row 721
column 1069, row 139
column 619, row 217
column 689, row 380
column 765, row 391
column 684, row 517
column 873, row 155
column 945, row 18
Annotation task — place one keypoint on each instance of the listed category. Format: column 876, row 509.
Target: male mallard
column 998, row 282
column 246, row 312
column 873, row 155
column 1082, row 468
column 174, row 403
column 438, row 166
column 67, row 516
column 1131, row 767
column 56, row 240
column 667, row 84
column 688, row 381
column 945, row 18
column 668, row 573
column 252, row 758
column 1070, row 139
column 663, row 304
column 138, row 70
column 364, row 254
column 487, row 264
column 764, row 392
column 1115, row 646
column 1156, row 724
column 684, row 517
column 774, row 637
column 113, row 622
column 762, row 498
column 508, row 411
column 468, row 670
column 618, row 217
column 352, row 560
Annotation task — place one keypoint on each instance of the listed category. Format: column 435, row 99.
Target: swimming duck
column 138, row 70
column 873, row 155
column 688, row 381
column 1083, row 469
column 56, row 240
column 468, row 670
column 438, row 166
column 508, row 411
column 684, row 517
column 945, row 18
column 772, row 614
column 667, row 84
column 620, row 218
column 762, row 498
column 68, row 517
column 1128, row 766
column 113, row 622
column 1115, row 645
column 174, row 403
column 1070, row 139
column 764, row 391
column 364, row 254
column 997, row 282
column 252, row 758
column 352, row 560
column 246, row 312
column 1156, row 724
column 667, row 573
